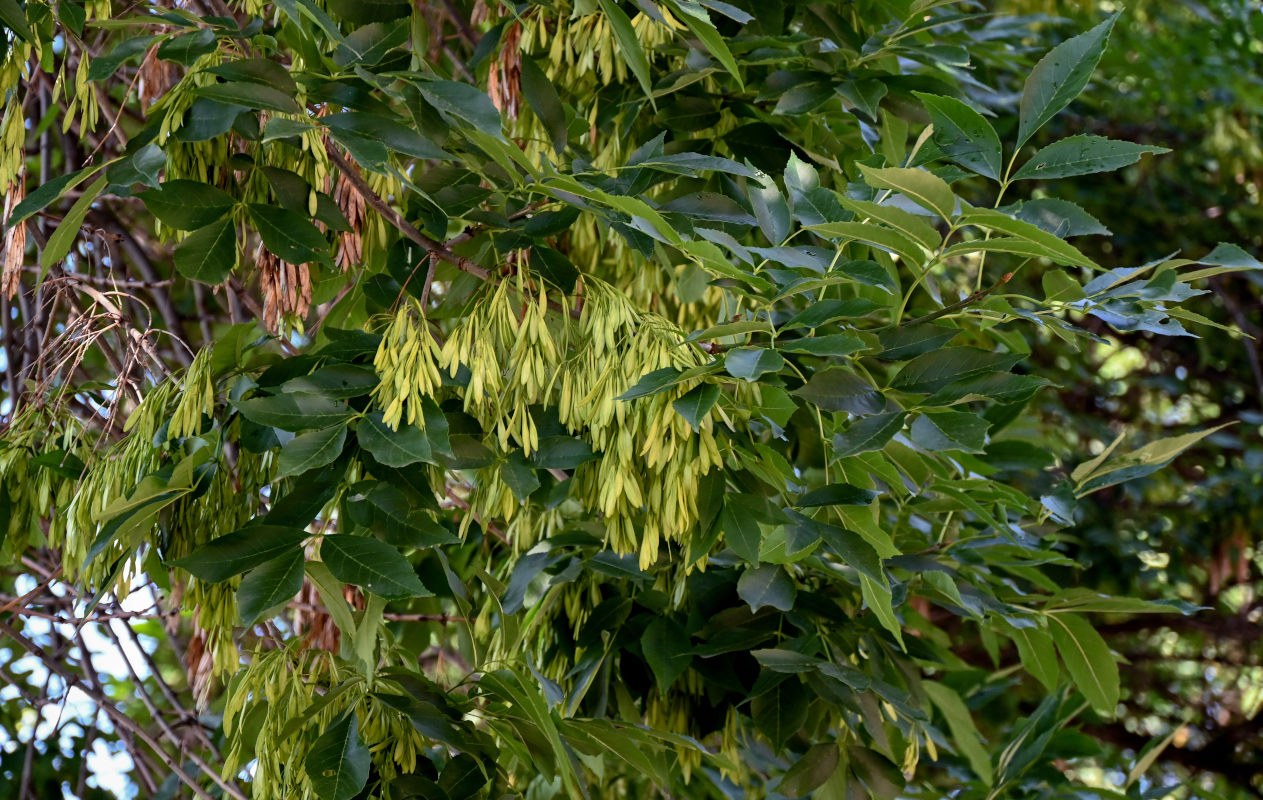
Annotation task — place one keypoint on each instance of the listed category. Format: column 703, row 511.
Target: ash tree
column 592, row 399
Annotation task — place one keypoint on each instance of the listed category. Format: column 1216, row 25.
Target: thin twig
column 968, row 301
column 118, row 717
column 397, row 220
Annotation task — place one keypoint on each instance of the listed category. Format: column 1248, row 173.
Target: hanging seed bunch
column 188, row 159
column 519, row 355
column 407, row 365
column 82, row 99
column 645, row 483
column 513, row 349
column 647, row 284
column 197, row 398
column 280, row 686
column 673, row 711
column 13, row 124
column 34, row 492
column 111, row 476
column 231, row 499
column 578, row 55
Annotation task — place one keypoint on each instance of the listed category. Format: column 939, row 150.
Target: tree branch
column 118, row 717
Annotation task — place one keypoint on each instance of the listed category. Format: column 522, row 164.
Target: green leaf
column 695, row 165
column 749, row 363
column 628, row 44
column 964, row 135
column 884, row 238
column 878, row 774
column 60, row 242
column 368, row 45
column 1224, row 258
column 914, row 227
column 207, row 119
column 788, row 661
column 360, row 130
column 932, row 371
column 464, row 102
column 1061, row 218
column 408, row 445
column 868, row 434
column 269, row 585
column 855, row 551
column 999, row 387
column 187, row 205
column 519, row 476
column 1088, row 660
column 1061, row 288
column 825, row 311
column 698, row 21
column 950, row 430
column 667, row 650
column 1083, row 155
column 834, row 344
column 1045, row 244
column 562, row 452
column 394, row 516
column 374, row 566
column 339, row 763
column 1005, row 244
column 780, row 712
column 728, row 329
column 837, row 389
column 14, row 18
column 652, row 382
column 208, row 254
column 837, row 494
column 1151, row 753
column 965, row 736
column 310, row 450
column 260, row 71
column 294, row 411
column 810, row 771
column 72, row 15
column 47, row 193
column 1059, row 77
column 880, row 600
column 463, row 776
column 1039, row 657
column 103, row 66
column 188, row 47
column 771, row 211
column 290, row 236
column 697, row 403
column 543, row 99
column 913, row 340
column 555, row 267
column 250, row 95
column 337, row 380
column 921, row 187
column 1083, row 600
column 60, row 462
column 741, row 532
column 767, row 585
column 1143, row 461
column 331, row 593
column 234, row 553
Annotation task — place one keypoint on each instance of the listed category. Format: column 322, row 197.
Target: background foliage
column 679, row 399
